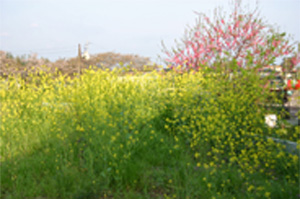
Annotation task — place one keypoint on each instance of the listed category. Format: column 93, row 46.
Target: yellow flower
column 267, row 194
column 250, row 188
column 260, row 188
column 78, row 128
column 113, row 138
column 209, row 185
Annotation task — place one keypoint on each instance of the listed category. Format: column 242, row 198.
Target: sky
column 54, row 28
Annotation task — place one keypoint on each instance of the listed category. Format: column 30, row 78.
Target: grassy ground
column 141, row 136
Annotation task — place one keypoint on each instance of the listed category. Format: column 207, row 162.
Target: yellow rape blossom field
column 110, row 134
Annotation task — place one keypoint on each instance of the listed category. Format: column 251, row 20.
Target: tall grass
column 170, row 135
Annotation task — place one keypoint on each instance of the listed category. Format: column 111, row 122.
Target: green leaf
column 283, row 34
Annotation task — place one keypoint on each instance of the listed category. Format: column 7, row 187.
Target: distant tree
column 289, row 63
column 9, row 55
column 21, row 60
column 242, row 37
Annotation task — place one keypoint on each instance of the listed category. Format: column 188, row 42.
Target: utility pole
column 79, row 60
column 86, row 54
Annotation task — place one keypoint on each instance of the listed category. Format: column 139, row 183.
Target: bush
column 189, row 135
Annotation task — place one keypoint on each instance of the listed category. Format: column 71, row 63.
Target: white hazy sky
column 53, row 28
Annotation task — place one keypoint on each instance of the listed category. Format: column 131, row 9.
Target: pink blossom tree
column 242, row 37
